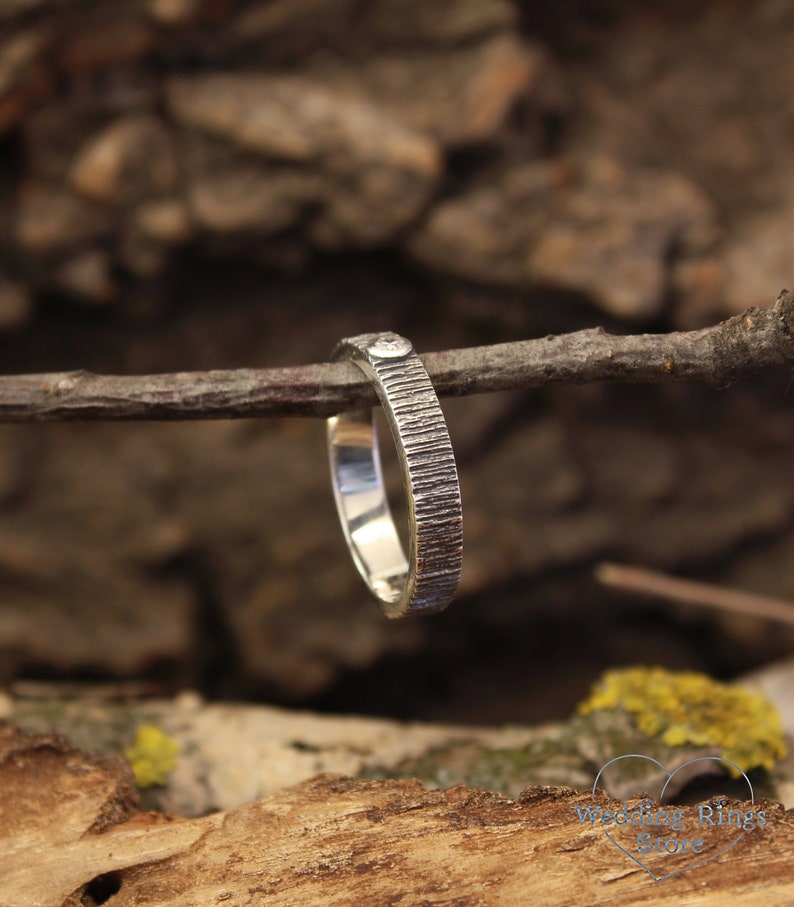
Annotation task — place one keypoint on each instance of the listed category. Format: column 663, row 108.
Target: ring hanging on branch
column 426, row 581
column 746, row 344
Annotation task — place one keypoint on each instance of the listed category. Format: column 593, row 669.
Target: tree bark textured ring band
column 426, row 580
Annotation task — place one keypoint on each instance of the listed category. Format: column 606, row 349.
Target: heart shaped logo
column 666, row 841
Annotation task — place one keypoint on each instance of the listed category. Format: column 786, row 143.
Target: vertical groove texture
column 416, row 420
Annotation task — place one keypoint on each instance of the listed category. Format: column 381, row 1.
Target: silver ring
column 426, row 580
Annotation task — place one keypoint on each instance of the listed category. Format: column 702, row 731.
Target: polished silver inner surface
column 362, row 504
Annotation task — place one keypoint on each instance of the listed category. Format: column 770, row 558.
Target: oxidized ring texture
column 426, row 580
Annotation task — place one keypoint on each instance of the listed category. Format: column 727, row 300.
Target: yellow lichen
column 689, row 708
column 152, row 755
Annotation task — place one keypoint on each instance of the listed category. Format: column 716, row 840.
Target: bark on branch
column 758, row 339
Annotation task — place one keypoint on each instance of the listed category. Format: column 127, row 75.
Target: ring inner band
column 363, row 506
column 426, row 579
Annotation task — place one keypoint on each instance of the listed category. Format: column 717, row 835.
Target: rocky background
column 193, row 184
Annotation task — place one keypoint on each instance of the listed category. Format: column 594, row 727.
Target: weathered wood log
column 70, row 836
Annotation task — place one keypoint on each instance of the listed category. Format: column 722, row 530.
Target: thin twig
column 660, row 585
column 746, row 344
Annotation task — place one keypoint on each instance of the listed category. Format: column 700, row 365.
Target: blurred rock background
column 194, row 184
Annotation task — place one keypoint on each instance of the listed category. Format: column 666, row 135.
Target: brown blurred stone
column 24, row 77
column 443, row 22
column 707, row 94
column 54, row 135
column 699, row 286
column 173, row 12
column 363, row 101
column 79, row 591
column 459, row 96
column 297, row 28
column 165, row 221
column 88, row 276
column 758, row 255
column 51, row 219
column 378, row 173
column 13, row 8
column 228, row 192
column 16, row 303
column 599, row 229
column 130, row 160
column 295, row 119
column 111, row 34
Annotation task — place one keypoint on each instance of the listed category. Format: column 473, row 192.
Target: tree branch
column 690, row 592
column 756, row 340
